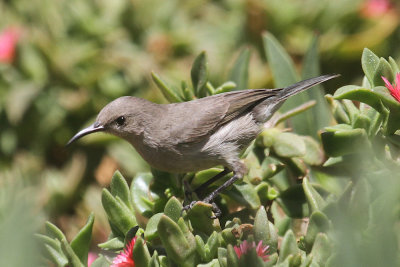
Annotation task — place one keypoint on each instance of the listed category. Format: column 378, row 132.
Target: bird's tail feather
column 303, row 85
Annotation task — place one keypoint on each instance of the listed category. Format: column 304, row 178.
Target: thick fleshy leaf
column 314, row 199
column 119, row 187
column 282, row 66
column 321, row 249
column 53, row 231
column 293, row 202
column 264, row 230
column 288, row 246
column 314, row 154
column 177, row 247
column 222, row 257
column 225, row 87
column 118, row 213
column 240, row 71
column 232, row 258
column 199, row 74
column 151, row 228
column 173, row 209
column 203, row 176
column 369, row 63
column 213, row 263
column 319, row 223
column 395, row 67
column 73, row 259
column 309, row 124
column 245, row 194
column 359, row 204
column 101, row 261
column 289, row 145
column 81, row 242
column 384, row 69
column 140, row 253
column 344, row 142
column 113, row 244
column 357, row 93
column 200, row 218
column 168, row 92
column 143, row 198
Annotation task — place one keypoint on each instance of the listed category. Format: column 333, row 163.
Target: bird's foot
column 217, row 212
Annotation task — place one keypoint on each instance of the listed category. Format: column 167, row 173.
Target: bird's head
column 119, row 117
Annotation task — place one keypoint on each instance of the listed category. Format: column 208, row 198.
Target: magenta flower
column 375, row 8
column 395, row 88
column 8, row 42
column 262, row 251
column 125, row 258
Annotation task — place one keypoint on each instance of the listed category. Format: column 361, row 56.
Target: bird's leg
column 203, row 186
column 238, row 174
column 215, row 193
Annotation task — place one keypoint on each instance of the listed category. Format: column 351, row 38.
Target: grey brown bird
column 198, row 134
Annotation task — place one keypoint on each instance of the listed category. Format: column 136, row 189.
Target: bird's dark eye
column 120, row 120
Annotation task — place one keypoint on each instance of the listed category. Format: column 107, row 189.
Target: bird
column 198, row 134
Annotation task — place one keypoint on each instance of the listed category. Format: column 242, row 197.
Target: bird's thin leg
column 214, row 194
column 203, row 186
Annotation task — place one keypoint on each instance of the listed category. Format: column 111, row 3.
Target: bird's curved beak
column 95, row 127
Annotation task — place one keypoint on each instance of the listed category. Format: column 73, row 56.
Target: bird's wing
column 199, row 118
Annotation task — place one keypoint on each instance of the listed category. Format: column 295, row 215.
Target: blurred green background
column 67, row 59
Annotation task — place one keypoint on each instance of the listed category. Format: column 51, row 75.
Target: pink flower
column 125, row 258
column 375, row 8
column 8, row 42
column 262, row 251
column 395, row 88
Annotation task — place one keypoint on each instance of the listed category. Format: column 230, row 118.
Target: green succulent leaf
column 308, row 123
column 151, row 228
column 319, row 223
column 73, row 259
column 119, row 187
column 264, row 230
column 245, row 194
column 115, row 243
column 101, row 261
column 293, row 202
column 289, row 145
column 314, row 154
column 314, row 199
column 176, row 245
column 143, row 198
column 369, row 63
column 168, row 93
column 200, row 218
column 232, row 258
column 173, row 209
column 222, row 257
column 321, row 249
column 53, row 231
column 288, row 246
column 343, row 142
column 57, row 256
column 199, row 74
column 81, row 243
column 240, row 71
column 118, row 213
column 141, row 253
column 384, row 69
column 282, row 66
column 394, row 66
